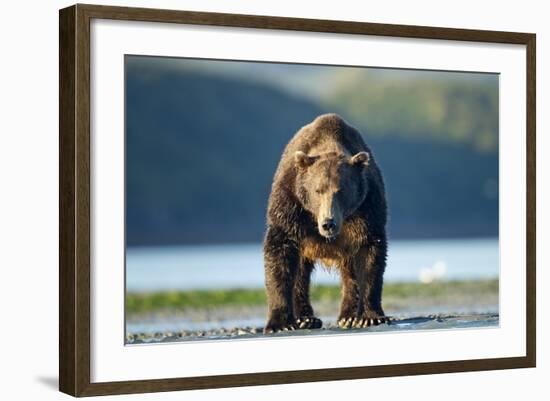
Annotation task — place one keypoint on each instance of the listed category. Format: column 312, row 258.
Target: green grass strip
column 137, row 302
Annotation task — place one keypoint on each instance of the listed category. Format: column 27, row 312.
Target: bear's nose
column 328, row 225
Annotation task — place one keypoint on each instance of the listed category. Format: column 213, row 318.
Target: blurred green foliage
column 437, row 106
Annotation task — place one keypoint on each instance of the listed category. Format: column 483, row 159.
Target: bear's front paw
column 274, row 328
column 370, row 319
column 309, row 322
column 276, row 324
column 364, row 320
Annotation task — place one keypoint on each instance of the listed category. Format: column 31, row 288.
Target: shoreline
column 414, row 323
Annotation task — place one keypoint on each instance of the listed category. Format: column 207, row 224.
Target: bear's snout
column 328, row 225
column 329, row 216
column 328, row 228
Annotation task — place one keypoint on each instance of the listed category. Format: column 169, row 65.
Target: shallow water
column 241, row 265
column 433, row 322
column 204, row 321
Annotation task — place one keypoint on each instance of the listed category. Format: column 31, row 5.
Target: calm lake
column 241, row 266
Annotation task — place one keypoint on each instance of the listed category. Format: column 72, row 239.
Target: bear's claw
column 370, row 321
column 362, row 322
column 309, row 322
column 274, row 329
column 345, row 322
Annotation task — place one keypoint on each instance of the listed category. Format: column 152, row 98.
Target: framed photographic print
column 250, row 200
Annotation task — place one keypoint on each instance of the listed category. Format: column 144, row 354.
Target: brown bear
column 327, row 206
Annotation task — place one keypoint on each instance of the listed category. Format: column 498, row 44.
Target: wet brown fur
column 293, row 242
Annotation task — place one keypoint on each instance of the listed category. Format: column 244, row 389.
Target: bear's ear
column 302, row 160
column 361, row 158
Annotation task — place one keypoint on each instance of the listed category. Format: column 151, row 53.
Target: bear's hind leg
column 370, row 266
column 350, row 295
column 305, row 318
column 281, row 260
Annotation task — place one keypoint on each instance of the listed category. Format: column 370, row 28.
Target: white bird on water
column 434, row 273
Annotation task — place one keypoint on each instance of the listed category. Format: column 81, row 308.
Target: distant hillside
column 442, row 107
column 201, row 151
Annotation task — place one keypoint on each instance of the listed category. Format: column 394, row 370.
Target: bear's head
column 331, row 187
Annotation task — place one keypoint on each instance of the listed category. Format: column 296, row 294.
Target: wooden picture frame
column 74, row 204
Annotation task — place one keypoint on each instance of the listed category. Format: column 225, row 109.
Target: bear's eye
column 318, row 191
